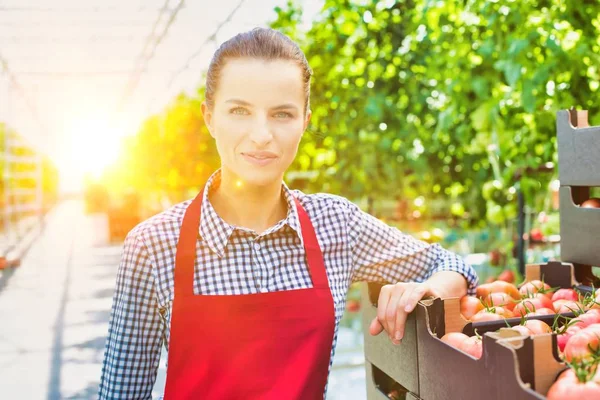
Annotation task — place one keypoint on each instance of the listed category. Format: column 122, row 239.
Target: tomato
column 537, row 327
column 473, row 346
column 565, row 294
column 545, row 300
column 583, row 344
column 541, row 311
column 595, row 304
column 593, row 328
column 563, row 338
column 498, row 287
column 567, row 306
column 535, row 286
column 454, row 339
column 469, row 306
column 522, row 329
column 586, row 319
column 353, row 305
column 508, row 288
column 486, row 316
column 500, row 299
column 558, row 303
column 464, row 343
column 507, row 276
column 526, row 306
column 568, row 387
column 492, row 190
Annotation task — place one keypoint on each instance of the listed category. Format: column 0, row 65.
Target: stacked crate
column 424, row 367
column 579, row 171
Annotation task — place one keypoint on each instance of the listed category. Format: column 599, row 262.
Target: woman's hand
column 394, row 304
column 398, row 300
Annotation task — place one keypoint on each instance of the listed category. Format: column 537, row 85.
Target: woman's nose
column 261, row 132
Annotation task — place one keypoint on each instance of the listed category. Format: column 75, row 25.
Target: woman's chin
column 262, row 177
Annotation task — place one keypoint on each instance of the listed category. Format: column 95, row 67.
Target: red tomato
column 500, row 299
column 507, row 276
column 537, row 327
column 473, row 346
column 543, row 299
column 534, row 286
column 595, row 305
column 508, row 288
column 469, row 306
column 556, row 304
column 563, row 338
column 593, row 328
column 454, row 339
column 528, row 305
column 542, row 311
column 498, row 287
column 486, row 316
column 568, row 387
column 522, row 329
column 583, row 344
column 586, row 319
column 353, row 305
column 470, row 345
column 504, row 312
column 568, row 306
column 565, row 294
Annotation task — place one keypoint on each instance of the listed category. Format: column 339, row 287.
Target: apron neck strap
column 186, row 248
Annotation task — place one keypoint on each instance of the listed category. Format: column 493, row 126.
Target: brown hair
column 262, row 43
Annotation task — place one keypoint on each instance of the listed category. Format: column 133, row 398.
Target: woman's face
column 258, row 118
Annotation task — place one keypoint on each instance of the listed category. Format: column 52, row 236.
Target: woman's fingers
column 394, row 304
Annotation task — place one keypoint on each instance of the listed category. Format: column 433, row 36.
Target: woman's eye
column 283, row 115
column 239, row 111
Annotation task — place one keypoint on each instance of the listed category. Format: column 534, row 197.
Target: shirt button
column 256, row 246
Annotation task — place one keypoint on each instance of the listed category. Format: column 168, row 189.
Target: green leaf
column 516, row 46
column 527, row 97
column 512, row 72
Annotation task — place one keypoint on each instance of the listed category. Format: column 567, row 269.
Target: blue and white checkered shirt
column 356, row 247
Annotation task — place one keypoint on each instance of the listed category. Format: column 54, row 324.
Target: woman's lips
column 259, row 158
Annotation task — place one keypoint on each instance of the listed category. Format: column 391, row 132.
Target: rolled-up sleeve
column 381, row 253
column 135, row 332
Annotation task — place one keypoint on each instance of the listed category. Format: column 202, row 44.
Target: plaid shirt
column 355, row 245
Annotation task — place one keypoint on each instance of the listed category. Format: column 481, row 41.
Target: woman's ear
column 207, row 114
column 307, row 119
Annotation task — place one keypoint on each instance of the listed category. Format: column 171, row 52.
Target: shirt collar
column 216, row 232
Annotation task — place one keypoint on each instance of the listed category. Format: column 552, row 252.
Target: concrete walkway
column 55, row 307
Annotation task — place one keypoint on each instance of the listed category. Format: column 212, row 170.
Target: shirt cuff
column 449, row 261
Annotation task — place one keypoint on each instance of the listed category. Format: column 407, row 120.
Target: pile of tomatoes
column 578, row 337
column 500, row 300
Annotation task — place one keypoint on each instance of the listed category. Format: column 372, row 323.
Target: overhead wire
column 14, row 82
column 210, row 38
column 151, row 44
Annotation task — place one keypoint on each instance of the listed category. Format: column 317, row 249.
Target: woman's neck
column 253, row 207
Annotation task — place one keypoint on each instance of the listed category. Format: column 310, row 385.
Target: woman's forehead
column 247, row 79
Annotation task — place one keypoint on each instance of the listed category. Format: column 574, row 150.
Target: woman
column 246, row 284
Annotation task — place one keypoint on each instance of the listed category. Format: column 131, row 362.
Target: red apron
column 274, row 345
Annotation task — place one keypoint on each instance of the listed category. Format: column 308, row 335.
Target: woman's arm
column 411, row 268
column 381, row 253
column 135, row 332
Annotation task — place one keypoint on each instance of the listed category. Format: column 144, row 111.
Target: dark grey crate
column 578, row 151
column 579, row 231
column 397, row 362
